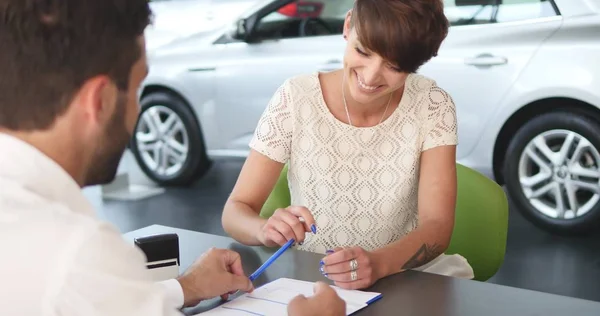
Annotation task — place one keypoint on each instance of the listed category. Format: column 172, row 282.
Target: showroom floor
column 534, row 260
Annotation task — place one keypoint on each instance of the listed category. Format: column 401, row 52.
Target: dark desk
column 408, row 293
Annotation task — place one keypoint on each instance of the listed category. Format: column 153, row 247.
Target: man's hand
column 216, row 272
column 325, row 302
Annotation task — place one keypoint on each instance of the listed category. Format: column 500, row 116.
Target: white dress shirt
column 56, row 257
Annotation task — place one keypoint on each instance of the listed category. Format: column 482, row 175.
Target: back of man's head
column 50, row 48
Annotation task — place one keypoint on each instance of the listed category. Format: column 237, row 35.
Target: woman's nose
column 371, row 73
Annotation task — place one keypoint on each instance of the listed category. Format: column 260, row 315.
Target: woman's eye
column 360, row 51
column 394, row 68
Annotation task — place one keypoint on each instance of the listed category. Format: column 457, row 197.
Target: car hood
column 173, row 20
column 192, row 45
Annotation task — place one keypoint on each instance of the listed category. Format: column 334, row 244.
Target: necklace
column 346, row 105
column 361, row 153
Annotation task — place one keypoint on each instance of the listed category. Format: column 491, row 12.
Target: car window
column 472, row 12
column 304, row 18
column 516, row 10
column 461, row 12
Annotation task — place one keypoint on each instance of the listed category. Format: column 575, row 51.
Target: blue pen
column 274, row 257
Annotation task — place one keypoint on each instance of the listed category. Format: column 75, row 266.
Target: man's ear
column 96, row 99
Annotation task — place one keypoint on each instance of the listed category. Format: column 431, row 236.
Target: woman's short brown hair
column 407, row 33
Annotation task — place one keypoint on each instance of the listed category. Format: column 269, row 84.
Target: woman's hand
column 351, row 268
column 285, row 224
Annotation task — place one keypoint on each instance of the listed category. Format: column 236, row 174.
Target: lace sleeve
column 441, row 125
column 273, row 134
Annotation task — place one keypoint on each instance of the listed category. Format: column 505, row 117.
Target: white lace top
column 359, row 183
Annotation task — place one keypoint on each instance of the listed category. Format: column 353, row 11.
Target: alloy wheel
column 162, row 140
column 559, row 174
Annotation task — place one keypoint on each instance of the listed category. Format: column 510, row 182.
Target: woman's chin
column 365, row 97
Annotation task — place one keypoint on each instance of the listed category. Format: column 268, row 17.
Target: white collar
column 24, row 164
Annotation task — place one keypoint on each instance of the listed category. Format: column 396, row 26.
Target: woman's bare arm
column 436, row 206
column 240, row 217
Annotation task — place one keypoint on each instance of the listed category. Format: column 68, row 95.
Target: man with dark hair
column 69, row 75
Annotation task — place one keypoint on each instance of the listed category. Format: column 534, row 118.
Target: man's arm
column 107, row 276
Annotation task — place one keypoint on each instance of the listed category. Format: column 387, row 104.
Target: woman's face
column 368, row 76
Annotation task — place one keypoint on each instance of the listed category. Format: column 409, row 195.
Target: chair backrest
column 280, row 196
column 481, row 220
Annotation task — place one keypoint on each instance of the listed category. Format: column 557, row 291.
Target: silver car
column 523, row 73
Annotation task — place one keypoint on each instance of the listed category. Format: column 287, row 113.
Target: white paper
column 273, row 298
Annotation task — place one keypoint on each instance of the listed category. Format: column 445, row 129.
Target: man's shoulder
column 52, row 250
column 45, row 228
column 41, row 240
column 35, row 224
column 24, row 207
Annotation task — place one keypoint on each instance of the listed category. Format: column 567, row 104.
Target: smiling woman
column 370, row 150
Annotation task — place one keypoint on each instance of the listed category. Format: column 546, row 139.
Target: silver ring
column 353, row 265
column 353, row 275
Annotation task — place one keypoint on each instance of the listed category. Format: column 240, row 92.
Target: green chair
column 481, row 221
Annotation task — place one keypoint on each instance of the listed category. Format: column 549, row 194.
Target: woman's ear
column 347, row 24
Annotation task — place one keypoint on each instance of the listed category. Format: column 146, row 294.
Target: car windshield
column 255, row 7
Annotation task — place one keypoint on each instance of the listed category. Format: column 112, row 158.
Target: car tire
column 155, row 153
column 520, row 165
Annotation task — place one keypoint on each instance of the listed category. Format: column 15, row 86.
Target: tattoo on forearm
column 425, row 254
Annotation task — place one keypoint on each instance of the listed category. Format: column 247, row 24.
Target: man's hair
column 406, row 33
column 49, row 48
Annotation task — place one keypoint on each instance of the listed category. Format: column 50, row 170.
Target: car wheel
column 552, row 172
column 167, row 141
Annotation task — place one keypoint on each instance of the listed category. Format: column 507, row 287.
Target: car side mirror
column 241, row 31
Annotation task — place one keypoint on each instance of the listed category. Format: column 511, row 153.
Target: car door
column 249, row 73
column 487, row 47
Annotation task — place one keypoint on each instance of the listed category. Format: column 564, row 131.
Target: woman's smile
column 365, row 88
